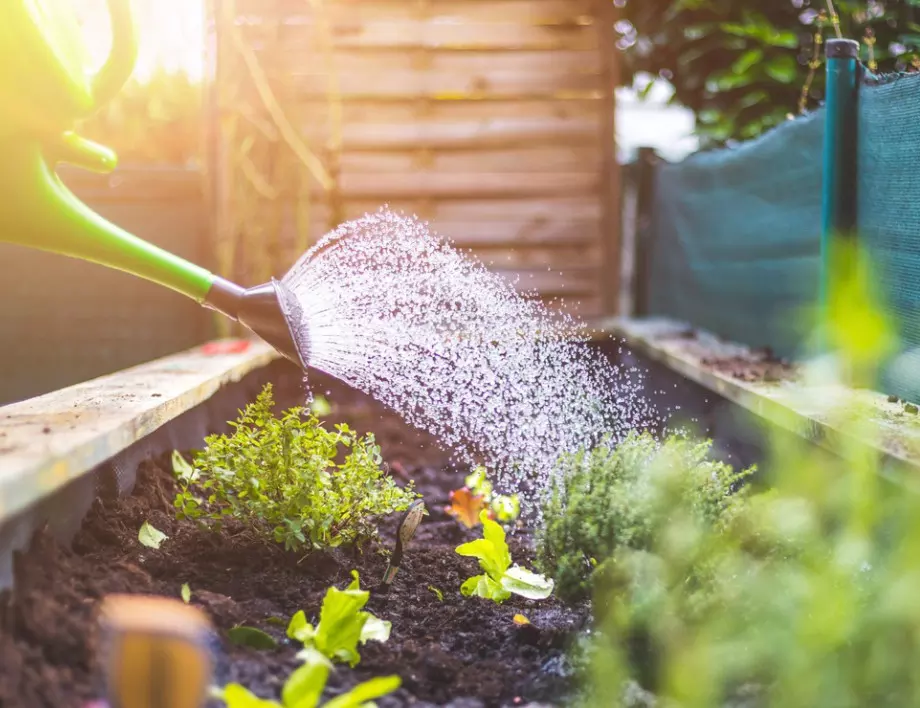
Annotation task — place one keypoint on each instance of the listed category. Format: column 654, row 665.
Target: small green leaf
column 437, row 593
column 527, row 584
column 783, row 69
column 150, row 536
column 236, row 696
column 277, row 621
column 182, row 469
column 364, row 693
column 299, row 629
column 186, row 593
column 305, row 685
column 251, row 637
column 375, row 629
column 484, row 586
column 747, row 60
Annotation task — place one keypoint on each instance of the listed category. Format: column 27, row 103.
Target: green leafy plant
column 304, row 689
column 500, row 579
column 606, row 498
column 342, row 625
column 251, row 637
column 290, row 480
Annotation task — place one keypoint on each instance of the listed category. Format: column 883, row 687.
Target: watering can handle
column 120, row 65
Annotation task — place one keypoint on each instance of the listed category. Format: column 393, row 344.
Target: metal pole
column 645, row 198
column 840, row 159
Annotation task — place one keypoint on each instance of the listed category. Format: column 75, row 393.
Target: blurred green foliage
column 806, row 593
column 157, row 122
column 744, row 66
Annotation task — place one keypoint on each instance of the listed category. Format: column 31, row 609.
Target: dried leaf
column 521, row 619
column 150, row 536
column 465, row 506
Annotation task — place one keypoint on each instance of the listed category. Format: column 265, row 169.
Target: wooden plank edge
column 37, row 458
column 813, row 411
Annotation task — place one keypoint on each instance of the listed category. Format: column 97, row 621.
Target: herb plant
column 289, row 479
column 500, row 579
column 304, row 689
column 608, row 498
column 342, row 625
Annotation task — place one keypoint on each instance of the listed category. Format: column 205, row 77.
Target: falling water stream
column 397, row 312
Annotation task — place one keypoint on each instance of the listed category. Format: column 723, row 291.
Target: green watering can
column 44, row 91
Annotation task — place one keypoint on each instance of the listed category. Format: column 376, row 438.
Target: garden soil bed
column 457, row 652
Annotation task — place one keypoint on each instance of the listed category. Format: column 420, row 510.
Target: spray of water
column 398, row 313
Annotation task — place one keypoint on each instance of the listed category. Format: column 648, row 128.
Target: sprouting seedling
column 500, row 579
column 304, row 689
column 342, row 625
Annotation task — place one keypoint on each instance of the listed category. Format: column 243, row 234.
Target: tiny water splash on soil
column 397, row 312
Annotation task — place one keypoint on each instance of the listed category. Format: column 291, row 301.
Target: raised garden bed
column 455, row 651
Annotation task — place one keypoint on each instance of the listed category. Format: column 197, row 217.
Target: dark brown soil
column 459, row 651
column 760, row 365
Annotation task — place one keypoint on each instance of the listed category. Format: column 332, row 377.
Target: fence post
column 839, row 191
column 645, row 199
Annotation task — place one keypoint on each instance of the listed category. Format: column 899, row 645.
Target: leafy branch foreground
column 289, row 480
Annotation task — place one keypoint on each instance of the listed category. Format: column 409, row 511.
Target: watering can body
column 46, row 91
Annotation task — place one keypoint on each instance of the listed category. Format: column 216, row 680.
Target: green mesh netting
column 889, row 214
column 735, row 245
column 736, row 233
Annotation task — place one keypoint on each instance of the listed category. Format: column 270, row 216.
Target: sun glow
column 171, row 35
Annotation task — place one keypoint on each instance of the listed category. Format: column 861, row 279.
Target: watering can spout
column 267, row 310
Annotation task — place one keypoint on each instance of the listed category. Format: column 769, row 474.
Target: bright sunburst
column 171, row 34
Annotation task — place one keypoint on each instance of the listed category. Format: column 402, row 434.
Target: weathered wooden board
column 536, row 12
column 432, row 184
column 506, row 161
column 447, row 134
column 487, row 118
column 432, row 73
column 46, row 442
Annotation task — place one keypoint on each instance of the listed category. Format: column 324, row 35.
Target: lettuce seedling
column 500, row 579
column 304, row 689
column 342, row 625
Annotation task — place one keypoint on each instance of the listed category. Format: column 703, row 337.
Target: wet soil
column 760, row 365
column 452, row 652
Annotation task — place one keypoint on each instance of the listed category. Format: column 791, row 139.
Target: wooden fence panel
column 490, row 119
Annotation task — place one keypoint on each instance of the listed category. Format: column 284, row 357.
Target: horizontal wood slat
column 468, row 135
column 534, row 12
column 459, row 185
column 535, row 159
column 410, row 74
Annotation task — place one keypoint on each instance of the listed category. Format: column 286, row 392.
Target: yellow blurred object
column 156, row 652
